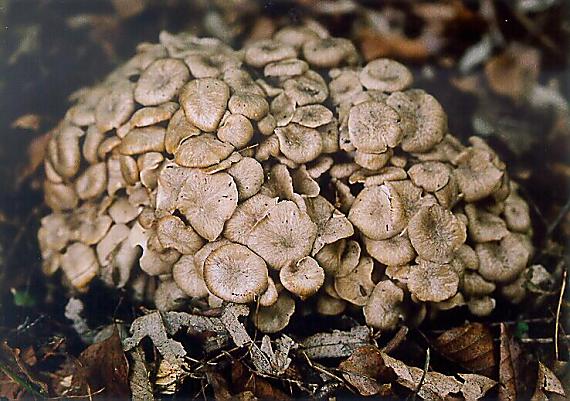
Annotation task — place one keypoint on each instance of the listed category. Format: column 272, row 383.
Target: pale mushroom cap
column 502, row 261
column 303, row 278
column 382, row 310
column 288, row 67
column 202, row 151
column 298, row 143
column 378, row 213
column 142, row 140
column 270, row 296
column 312, row 116
column 306, row 89
column 246, row 217
column 385, row 75
column 274, row 318
column 476, row 175
column 431, row 176
column 173, row 233
column 168, row 296
column 236, row 130
column 484, row 226
column 248, row 176
column 253, row 106
column 178, row 129
column 374, row 127
column 329, row 52
column 356, row 286
column 285, row 235
column 79, row 264
column 434, row 282
column 161, row 81
column 204, row 102
column 435, row 233
column 264, row 52
column 115, row 107
column 481, row 306
column 189, row 278
column 394, row 251
column 235, row 274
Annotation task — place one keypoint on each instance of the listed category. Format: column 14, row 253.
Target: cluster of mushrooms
column 284, row 175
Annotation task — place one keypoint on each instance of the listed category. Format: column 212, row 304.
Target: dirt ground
column 500, row 70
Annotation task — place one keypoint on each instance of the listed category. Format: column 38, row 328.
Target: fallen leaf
column 36, row 154
column 509, row 351
column 219, row 385
column 139, row 377
column 16, row 378
column 338, row 344
column 170, row 376
column 547, row 382
column 470, row 345
column 363, row 369
column 475, row 386
column 374, row 45
column 104, row 366
column 243, row 381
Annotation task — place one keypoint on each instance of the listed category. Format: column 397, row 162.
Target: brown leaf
column 219, row 385
column 103, row 366
column 16, row 378
column 470, row 345
column 547, row 382
column 374, row 45
column 244, row 381
column 508, row 374
column 363, row 368
column 36, row 153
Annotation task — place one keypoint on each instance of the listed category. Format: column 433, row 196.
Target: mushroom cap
column 251, row 105
column 274, row 318
column 298, row 143
column 122, row 211
column 115, row 108
column 431, row 175
column 161, row 81
column 329, row 52
column 248, row 176
column 433, row 282
column 473, row 285
column 306, row 89
column 246, row 217
column 236, row 130
column 286, row 68
column 312, row 116
column 202, row 151
column 178, row 129
column 481, row 306
column 356, row 286
column 270, row 296
column 329, row 306
column 207, row 201
column 235, row 274
column 484, row 226
column 383, row 308
column 516, row 213
column 303, row 278
column 168, row 296
column 282, row 108
column 504, row 260
column 374, row 127
column 268, row 51
column 394, row 251
column 92, row 182
column 204, row 102
column 423, row 120
column 436, row 233
column 385, row 75
column 332, row 225
column 283, row 236
column 378, row 213
column 476, row 174
column 173, row 233
column 143, row 140
column 79, row 264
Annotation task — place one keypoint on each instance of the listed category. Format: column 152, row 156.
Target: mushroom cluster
column 280, row 174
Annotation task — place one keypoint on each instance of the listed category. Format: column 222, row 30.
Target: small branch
column 552, row 226
column 421, row 383
column 558, row 308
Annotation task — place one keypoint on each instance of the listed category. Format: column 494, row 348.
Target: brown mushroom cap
column 434, row 282
column 516, row 213
column 436, row 234
column 204, row 102
column 161, row 81
column 270, row 296
column 423, row 120
column 306, row 89
column 329, row 306
column 142, row 140
column 235, row 274
column 253, row 106
column 312, row 116
column 484, row 226
column 173, row 233
column 329, row 52
column 332, row 225
column 476, row 174
column 356, row 286
column 385, row 75
column 115, row 108
column 431, row 176
column 246, row 217
column 378, row 213
column 264, row 52
column 285, row 68
column 502, row 261
column 304, row 278
column 283, row 236
column 179, row 129
column 298, row 143
column 274, row 318
column 383, row 309
column 374, row 127
column 202, row 151
column 481, row 306
column 236, row 130
column 393, row 251
column 248, row 176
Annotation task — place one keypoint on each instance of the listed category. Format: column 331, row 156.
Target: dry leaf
column 103, row 365
column 16, row 379
column 374, row 45
column 36, row 153
column 508, row 375
column 337, row 344
column 27, row 121
column 244, row 381
column 546, row 382
column 470, row 345
column 475, row 386
column 139, row 381
column 219, row 385
column 363, row 368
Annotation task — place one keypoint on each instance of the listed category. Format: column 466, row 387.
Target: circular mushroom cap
column 115, row 108
column 268, row 51
column 484, row 226
column 204, row 102
column 248, row 176
column 188, row 277
column 298, row 143
column 516, row 213
column 79, row 264
column 274, row 318
column 304, row 278
column 436, row 234
column 481, row 306
column 433, row 282
column 502, row 261
column 312, row 116
column 476, row 174
column 253, row 106
column 374, row 127
column 431, row 176
column 329, row 52
column 202, row 151
column 378, row 213
column 173, row 233
column 356, row 286
column 395, row 251
column 385, row 75
column 283, row 236
column 383, row 308
column 161, row 81
column 236, row 130
column 306, row 89
column 286, row 68
column 235, row 274
column 246, row 217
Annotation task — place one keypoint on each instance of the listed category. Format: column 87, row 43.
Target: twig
column 421, row 383
column 397, row 340
column 558, row 308
column 552, row 226
column 547, row 340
